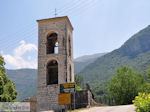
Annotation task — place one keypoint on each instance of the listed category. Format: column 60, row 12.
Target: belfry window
column 70, row 70
column 52, row 44
column 69, row 46
column 52, row 72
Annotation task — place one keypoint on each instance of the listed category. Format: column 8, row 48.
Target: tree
column 145, row 88
column 79, row 82
column 7, row 87
column 148, row 74
column 100, row 92
column 124, row 86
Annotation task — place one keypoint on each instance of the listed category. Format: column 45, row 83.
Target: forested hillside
column 81, row 62
column 135, row 53
column 25, row 81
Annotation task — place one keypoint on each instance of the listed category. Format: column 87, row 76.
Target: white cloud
column 24, row 47
column 18, row 58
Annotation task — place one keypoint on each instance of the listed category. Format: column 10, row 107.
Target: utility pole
column 55, row 12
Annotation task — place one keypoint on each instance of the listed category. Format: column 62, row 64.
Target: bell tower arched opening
column 69, row 42
column 52, row 44
column 70, row 70
column 52, row 72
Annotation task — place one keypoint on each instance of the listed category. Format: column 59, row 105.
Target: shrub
column 7, row 87
column 145, row 88
column 142, row 102
column 124, row 86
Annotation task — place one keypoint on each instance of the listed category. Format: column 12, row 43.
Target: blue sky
column 99, row 25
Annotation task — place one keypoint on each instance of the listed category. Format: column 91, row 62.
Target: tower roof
column 57, row 18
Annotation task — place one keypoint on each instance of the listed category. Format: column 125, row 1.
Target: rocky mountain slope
column 81, row 62
column 135, row 53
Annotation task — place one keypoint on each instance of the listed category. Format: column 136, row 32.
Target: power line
column 79, row 6
column 74, row 8
column 20, row 31
column 68, row 7
column 84, row 9
column 65, row 6
column 67, row 11
column 71, row 7
column 17, row 32
column 52, row 10
column 12, row 42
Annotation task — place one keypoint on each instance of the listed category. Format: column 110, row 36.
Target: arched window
column 70, row 73
column 52, row 72
column 69, row 42
column 66, row 77
column 52, row 44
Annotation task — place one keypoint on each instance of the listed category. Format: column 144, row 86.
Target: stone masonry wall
column 47, row 96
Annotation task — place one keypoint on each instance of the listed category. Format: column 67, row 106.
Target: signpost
column 66, row 89
column 64, row 99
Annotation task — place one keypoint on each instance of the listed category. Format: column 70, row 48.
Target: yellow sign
column 64, row 99
column 68, row 85
column 67, row 88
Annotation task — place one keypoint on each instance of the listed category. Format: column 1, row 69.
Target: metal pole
column 74, row 99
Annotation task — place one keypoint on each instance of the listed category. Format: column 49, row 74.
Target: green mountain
column 135, row 53
column 81, row 62
column 25, row 81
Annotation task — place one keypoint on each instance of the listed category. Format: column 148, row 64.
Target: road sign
column 67, row 88
column 68, row 85
column 64, row 98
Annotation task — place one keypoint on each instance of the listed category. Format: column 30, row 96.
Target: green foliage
column 79, row 82
column 78, row 88
column 78, row 79
column 7, row 88
column 142, row 102
column 124, row 86
column 99, row 91
column 145, row 87
column 81, row 62
column 148, row 74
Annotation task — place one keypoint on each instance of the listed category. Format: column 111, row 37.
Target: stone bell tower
column 55, row 60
